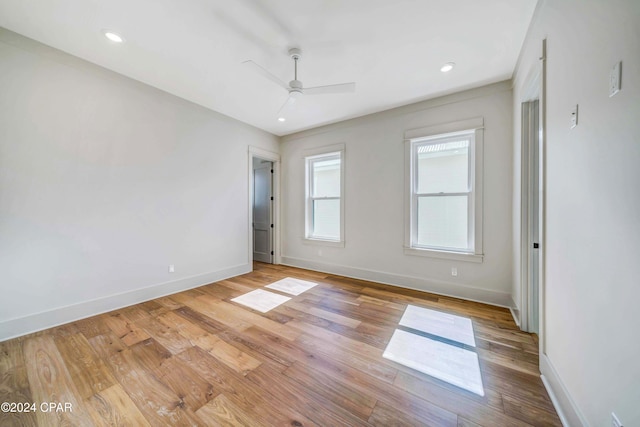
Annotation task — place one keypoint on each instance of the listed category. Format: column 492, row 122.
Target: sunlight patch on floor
column 291, row 286
column 446, row 362
column 262, row 301
column 445, row 325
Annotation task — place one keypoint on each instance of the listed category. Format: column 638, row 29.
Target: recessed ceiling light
column 114, row 37
column 281, row 119
column 448, row 67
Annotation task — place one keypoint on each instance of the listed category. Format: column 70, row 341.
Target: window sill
column 457, row 256
column 322, row 242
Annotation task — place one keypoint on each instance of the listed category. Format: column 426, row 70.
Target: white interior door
column 262, row 210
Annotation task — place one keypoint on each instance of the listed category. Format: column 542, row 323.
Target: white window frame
column 440, row 134
column 310, row 156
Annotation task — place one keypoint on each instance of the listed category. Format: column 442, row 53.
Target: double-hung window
column 324, row 201
column 445, row 200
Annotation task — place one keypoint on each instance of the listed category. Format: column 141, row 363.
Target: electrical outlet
column 615, row 79
column 615, row 422
column 172, row 268
column 454, row 271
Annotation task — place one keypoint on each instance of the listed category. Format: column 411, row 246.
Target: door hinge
column 271, row 197
column 271, row 252
column 271, row 225
column 536, row 245
column 271, row 170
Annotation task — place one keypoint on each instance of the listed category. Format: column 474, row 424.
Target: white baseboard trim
column 58, row 316
column 501, row 299
column 515, row 313
column 569, row 414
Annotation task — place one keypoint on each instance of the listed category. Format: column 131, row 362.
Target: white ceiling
column 392, row 49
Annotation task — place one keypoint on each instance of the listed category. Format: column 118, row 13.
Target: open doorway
column 263, row 206
column 262, row 210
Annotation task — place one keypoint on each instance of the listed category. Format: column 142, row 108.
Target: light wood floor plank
column 351, row 399
column 113, row 407
column 167, row 336
column 325, row 314
column 252, row 318
column 385, row 415
column 233, row 357
column 89, row 373
column 258, row 351
column 14, row 384
column 124, row 329
column 92, row 326
column 205, row 305
column 531, row 414
column 51, row 382
column 314, row 406
column 186, row 383
column 158, row 404
column 256, row 402
column 222, row 412
column 371, row 366
column 453, row 401
column 197, row 358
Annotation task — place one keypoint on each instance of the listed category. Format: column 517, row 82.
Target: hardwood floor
column 197, row 358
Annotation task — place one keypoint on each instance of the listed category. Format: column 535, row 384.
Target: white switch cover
column 454, row 271
column 172, row 268
column 574, row 117
column 615, row 422
column 615, row 79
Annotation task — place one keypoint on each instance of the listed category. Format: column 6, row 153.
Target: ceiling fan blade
column 264, row 73
column 339, row 88
column 286, row 108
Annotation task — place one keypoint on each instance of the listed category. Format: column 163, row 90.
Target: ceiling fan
column 295, row 87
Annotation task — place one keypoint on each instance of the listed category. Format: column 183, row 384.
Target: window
column 445, row 203
column 324, row 204
column 443, row 193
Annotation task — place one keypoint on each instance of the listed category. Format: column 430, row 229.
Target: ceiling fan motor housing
column 295, row 88
column 295, row 53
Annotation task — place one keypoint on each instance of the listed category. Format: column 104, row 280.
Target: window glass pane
column 443, row 167
column 326, row 178
column 326, row 219
column 442, row 222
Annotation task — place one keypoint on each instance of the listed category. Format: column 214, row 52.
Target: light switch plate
column 615, row 79
column 615, row 422
column 574, row 117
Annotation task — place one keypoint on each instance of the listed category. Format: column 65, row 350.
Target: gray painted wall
column 374, row 198
column 104, row 182
column 593, row 205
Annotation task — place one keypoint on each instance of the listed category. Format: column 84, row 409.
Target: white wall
column 374, row 203
column 104, row 182
column 592, row 275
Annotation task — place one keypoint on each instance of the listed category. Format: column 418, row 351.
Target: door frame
column 264, row 169
column 534, row 88
column 528, row 211
column 255, row 152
